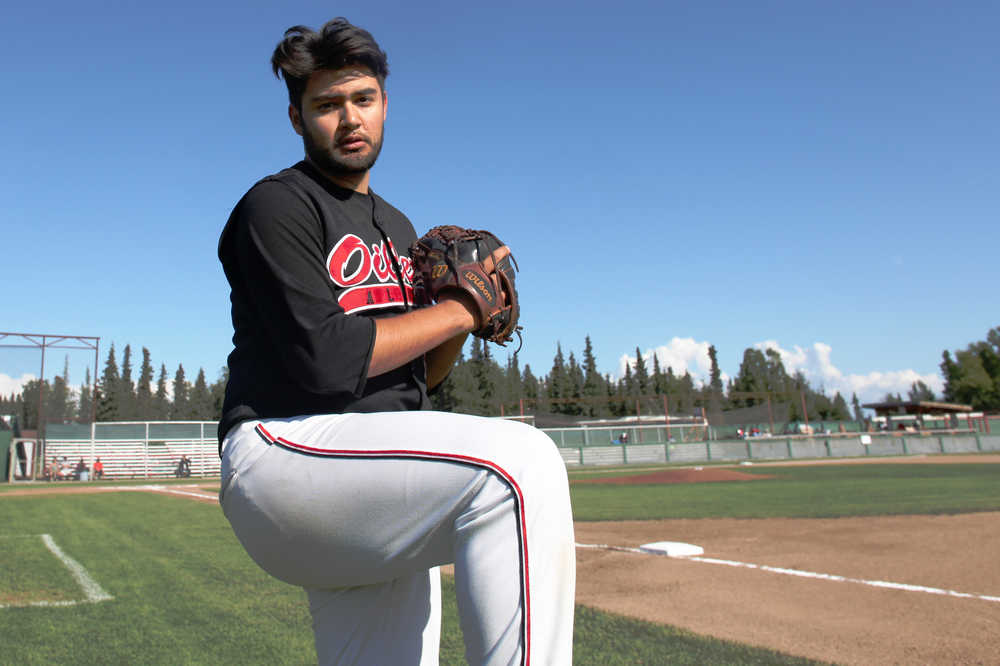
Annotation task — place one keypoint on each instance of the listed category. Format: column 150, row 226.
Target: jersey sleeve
column 276, row 244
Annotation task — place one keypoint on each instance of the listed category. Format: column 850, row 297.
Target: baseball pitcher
column 335, row 474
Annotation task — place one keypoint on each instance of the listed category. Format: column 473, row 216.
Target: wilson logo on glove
column 480, row 284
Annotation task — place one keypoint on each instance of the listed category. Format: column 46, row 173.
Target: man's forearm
column 399, row 340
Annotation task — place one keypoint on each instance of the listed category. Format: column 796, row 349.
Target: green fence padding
column 6, row 436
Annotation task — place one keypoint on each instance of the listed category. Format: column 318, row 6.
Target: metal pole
column 93, row 391
column 40, row 449
column 770, row 414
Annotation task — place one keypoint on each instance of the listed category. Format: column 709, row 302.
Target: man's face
column 341, row 121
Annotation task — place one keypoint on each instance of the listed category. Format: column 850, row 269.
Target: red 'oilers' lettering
column 339, row 256
column 376, row 259
column 382, row 263
column 366, row 273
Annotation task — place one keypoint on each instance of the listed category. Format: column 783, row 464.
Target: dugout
column 922, row 414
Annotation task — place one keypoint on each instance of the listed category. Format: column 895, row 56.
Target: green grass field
column 186, row 593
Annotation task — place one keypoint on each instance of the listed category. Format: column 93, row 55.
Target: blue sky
column 820, row 177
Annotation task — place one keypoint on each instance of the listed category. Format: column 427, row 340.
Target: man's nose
column 350, row 116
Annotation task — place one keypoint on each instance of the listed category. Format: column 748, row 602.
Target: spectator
column 183, row 467
column 98, row 469
column 80, row 471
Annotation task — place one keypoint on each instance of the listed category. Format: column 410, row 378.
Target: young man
column 335, row 475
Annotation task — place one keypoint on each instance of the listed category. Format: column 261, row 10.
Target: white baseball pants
column 360, row 509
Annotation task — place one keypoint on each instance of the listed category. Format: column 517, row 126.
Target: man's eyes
column 364, row 100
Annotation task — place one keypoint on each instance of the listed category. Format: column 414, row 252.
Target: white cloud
column 681, row 354
column 815, row 362
column 9, row 385
column 817, row 365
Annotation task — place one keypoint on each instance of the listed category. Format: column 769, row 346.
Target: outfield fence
column 781, row 448
column 150, row 450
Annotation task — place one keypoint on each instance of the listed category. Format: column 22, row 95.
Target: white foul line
column 91, row 589
column 811, row 574
column 162, row 489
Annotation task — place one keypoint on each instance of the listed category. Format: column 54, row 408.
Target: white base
column 672, row 549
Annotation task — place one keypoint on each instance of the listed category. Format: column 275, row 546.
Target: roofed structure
column 921, row 407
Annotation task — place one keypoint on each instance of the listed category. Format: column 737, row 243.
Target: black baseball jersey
column 310, row 264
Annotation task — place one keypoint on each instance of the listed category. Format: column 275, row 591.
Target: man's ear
column 295, row 118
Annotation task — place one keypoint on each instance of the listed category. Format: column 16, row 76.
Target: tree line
column 972, row 376
column 576, row 389
column 119, row 395
column 571, row 389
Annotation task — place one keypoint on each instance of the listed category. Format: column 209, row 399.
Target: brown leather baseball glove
column 478, row 264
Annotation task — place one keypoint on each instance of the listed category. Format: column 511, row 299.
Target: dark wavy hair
column 338, row 44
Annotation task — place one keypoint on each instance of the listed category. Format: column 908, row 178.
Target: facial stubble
column 327, row 160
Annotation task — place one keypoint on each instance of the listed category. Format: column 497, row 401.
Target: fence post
column 979, row 443
column 145, row 454
column 941, row 442
column 708, row 450
column 581, row 456
column 826, row 445
column 749, row 450
column 788, row 443
column 624, row 454
column 906, row 449
column 666, row 450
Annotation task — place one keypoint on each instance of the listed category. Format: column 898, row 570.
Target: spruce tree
column 200, row 400
column 859, row 415
column 593, row 383
column 919, row 391
column 556, row 386
column 641, row 374
column 59, row 405
column 28, row 416
column 144, row 390
column 751, row 378
column 484, row 372
column 657, row 378
column 531, row 386
column 840, row 410
column 84, row 413
column 685, row 393
column 218, row 391
column 627, row 390
column 512, row 385
column 161, row 402
column 574, row 376
column 179, row 409
column 126, row 397
column 108, row 407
